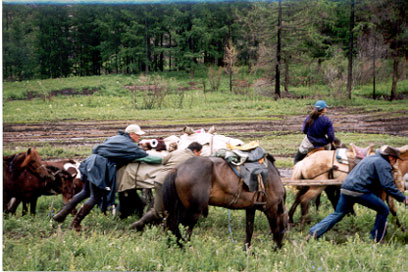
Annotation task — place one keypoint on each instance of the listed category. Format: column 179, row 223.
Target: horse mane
column 270, row 158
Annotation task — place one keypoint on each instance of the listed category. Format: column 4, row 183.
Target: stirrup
column 259, row 195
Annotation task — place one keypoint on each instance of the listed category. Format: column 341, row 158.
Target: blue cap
column 320, row 105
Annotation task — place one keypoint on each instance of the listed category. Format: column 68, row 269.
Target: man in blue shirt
column 318, row 129
column 98, row 172
column 371, row 175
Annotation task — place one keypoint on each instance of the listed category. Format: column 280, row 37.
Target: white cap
column 134, row 129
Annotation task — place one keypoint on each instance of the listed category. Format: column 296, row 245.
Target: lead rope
column 229, row 226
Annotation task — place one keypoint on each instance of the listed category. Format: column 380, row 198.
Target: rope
column 229, row 226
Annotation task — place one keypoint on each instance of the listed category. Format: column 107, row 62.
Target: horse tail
column 297, row 170
column 172, row 204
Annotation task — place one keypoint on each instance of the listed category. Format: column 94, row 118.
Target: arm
column 305, row 127
column 387, row 182
column 330, row 131
column 149, row 159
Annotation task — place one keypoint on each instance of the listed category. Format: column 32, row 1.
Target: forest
column 289, row 42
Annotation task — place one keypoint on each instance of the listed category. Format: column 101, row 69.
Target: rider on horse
column 318, row 129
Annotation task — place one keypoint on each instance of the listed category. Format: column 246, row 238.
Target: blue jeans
column 345, row 205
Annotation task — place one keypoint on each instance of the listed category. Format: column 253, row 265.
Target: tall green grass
column 107, row 244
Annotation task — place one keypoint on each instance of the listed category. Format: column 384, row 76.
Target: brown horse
column 203, row 181
column 71, row 167
column 322, row 165
column 25, row 178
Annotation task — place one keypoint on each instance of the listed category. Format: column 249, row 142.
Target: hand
column 406, row 200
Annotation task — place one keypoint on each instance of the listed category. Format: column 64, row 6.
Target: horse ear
column 29, row 151
column 352, row 147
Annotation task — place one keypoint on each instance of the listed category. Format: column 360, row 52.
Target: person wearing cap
column 318, row 129
column 98, row 172
column 370, row 176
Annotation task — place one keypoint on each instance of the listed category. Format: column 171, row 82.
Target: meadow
column 37, row 243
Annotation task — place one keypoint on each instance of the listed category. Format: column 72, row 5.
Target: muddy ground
column 92, row 132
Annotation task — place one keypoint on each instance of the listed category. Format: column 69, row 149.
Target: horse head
column 30, row 160
column 279, row 221
column 356, row 153
column 62, row 183
column 401, row 168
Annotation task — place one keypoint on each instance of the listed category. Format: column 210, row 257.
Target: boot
column 298, row 157
column 149, row 217
column 62, row 214
column 75, row 224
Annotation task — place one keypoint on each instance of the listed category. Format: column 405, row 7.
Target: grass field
column 36, row 243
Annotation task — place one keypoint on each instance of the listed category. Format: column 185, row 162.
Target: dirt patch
column 92, row 132
column 66, row 92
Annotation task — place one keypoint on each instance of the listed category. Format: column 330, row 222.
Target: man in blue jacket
column 371, row 175
column 98, row 172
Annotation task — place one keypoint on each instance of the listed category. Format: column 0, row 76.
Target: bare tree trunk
column 278, row 52
column 230, row 81
column 374, row 56
column 170, row 52
column 350, row 58
column 286, row 61
column 147, row 47
column 394, row 78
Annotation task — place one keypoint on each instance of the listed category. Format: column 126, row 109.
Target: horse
column 72, row 167
column 322, row 165
column 399, row 171
column 26, row 178
column 202, row 181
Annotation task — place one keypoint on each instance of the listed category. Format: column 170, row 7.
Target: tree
column 350, row 54
column 278, row 51
column 53, row 41
column 392, row 23
column 230, row 58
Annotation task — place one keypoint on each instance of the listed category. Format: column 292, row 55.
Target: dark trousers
column 91, row 191
column 345, row 205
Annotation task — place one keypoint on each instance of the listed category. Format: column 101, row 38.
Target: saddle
column 250, row 166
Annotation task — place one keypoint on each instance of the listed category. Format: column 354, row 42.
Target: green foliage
column 39, row 244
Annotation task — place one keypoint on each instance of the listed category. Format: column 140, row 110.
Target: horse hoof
column 137, row 226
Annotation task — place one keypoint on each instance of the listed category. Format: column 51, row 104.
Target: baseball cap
column 320, row 105
column 134, row 129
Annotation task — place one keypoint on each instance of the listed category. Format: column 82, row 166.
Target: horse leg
column 317, row 202
column 250, row 218
column 393, row 210
column 292, row 210
column 33, row 205
column 305, row 200
column 333, row 194
column 148, row 198
column 25, row 207
column 12, row 205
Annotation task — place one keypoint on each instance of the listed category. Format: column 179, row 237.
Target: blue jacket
column 372, row 174
column 321, row 127
column 100, row 167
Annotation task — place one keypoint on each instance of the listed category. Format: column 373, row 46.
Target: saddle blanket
column 341, row 155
